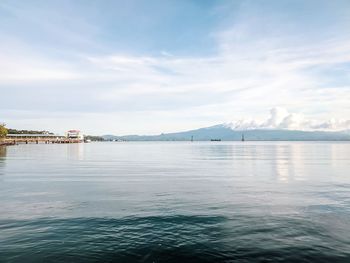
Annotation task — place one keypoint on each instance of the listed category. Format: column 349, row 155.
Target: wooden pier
column 6, row 143
column 12, row 139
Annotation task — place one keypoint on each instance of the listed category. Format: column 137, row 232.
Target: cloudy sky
column 146, row 67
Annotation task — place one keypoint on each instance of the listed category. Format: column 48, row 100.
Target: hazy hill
column 227, row 134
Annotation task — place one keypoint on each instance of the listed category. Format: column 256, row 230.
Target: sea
column 175, row 202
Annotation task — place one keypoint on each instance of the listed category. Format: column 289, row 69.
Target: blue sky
column 148, row 67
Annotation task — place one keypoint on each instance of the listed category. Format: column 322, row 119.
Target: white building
column 75, row 134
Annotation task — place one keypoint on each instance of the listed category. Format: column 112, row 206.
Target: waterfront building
column 75, row 134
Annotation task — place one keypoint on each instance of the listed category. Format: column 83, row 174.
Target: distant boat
column 87, row 140
column 215, row 140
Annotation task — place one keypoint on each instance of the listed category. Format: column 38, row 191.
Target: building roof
column 34, row 135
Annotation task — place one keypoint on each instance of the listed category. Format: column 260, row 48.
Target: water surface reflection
column 202, row 201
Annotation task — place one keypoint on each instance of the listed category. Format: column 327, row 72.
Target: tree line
column 4, row 131
column 14, row 131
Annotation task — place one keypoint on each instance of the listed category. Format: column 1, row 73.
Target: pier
column 12, row 139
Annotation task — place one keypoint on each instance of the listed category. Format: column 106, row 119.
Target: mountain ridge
column 225, row 133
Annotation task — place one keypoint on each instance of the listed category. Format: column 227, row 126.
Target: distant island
column 223, row 132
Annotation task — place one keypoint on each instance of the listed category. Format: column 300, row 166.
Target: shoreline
column 4, row 143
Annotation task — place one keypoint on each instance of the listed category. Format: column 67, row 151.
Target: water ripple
column 177, row 238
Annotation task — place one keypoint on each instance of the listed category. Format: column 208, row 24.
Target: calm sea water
column 175, row 202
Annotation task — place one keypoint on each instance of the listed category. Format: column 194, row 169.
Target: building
column 34, row 136
column 75, row 134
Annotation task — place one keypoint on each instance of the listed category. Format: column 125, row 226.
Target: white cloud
column 280, row 118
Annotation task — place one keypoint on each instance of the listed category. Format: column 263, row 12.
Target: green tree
column 3, row 130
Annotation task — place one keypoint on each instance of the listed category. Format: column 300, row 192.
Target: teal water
column 175, row 202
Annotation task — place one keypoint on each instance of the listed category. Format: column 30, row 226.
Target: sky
column 153, row 66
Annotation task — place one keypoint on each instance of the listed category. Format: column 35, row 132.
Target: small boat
column 215, row 140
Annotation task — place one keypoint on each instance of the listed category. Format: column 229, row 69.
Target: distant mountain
column 225, row 133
